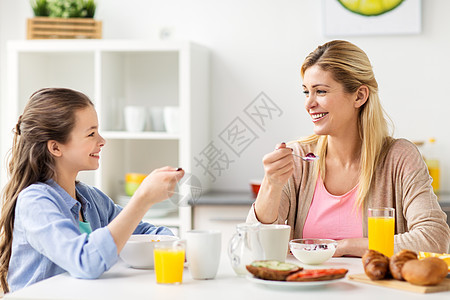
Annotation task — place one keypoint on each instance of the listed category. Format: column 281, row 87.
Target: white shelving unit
column 116, row 73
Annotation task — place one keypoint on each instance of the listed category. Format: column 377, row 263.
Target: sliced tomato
column 316, row 274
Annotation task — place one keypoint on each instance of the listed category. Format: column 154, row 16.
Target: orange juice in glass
column 435, row 173
column 169, row 262
column 381, row 230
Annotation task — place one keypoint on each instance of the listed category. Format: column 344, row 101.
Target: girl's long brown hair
column 48, row 115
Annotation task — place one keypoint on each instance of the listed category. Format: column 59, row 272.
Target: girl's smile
column 95, row 155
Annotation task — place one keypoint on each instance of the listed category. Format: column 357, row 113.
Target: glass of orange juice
column 381, row 230
column 169, row 261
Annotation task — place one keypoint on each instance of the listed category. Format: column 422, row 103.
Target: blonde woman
column 359, row 164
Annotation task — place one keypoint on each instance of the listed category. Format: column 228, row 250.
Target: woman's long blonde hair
column 48, row 115
column 350, row 66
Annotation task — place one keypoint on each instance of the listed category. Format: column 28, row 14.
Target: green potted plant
column 64, row 8
column 40, row 8
column 63, row 19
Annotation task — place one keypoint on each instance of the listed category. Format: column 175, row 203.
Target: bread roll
column 376, row 265
column 397, row 261
column 428, row 271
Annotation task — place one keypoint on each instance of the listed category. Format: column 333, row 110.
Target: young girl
column 50, row 223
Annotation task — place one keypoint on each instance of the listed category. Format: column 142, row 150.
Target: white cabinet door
column 220, row 217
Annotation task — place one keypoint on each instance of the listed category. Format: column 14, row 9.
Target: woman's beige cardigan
column 401, row 181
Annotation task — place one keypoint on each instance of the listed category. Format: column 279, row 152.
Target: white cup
column 157, row 119
column 172, row 119
column 274, row 239
column 203, row 253
column 135, row 118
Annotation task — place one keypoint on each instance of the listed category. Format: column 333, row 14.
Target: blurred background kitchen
column 257, row 46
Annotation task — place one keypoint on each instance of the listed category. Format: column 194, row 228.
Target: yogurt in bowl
column 313, row 251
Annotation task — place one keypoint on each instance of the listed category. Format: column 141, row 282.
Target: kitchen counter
column 246, row 198
column 225, row 198
column 444, row 202
column 444, row 197
column 217, row 198
column 121, row 282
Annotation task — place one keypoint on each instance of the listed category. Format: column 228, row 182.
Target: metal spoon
column 308, row 157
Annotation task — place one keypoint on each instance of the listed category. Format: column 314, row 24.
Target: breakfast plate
column 293, row 284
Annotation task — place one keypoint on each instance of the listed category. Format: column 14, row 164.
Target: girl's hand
column 158, row 185
column 278, row 165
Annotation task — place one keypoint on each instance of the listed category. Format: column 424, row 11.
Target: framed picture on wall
column 371, row 17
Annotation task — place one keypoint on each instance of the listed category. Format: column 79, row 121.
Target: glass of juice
column 381, row 230
column 169, row 261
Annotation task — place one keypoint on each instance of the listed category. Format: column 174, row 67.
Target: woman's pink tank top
column 333, row 217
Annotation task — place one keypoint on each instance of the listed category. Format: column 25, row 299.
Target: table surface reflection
column 122, row 282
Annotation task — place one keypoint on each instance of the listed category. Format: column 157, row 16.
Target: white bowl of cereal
column 138, row 251
column 313, row 251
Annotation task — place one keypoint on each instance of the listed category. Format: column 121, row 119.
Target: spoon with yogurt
column 308, row 157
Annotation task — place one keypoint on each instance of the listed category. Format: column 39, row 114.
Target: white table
column 121, row 282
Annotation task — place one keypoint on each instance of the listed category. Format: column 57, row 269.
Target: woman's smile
column 316, row 117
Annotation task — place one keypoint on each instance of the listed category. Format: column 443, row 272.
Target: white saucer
column 293, row 284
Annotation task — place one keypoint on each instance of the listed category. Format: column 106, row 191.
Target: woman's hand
column 278, row 165
column 352, row 247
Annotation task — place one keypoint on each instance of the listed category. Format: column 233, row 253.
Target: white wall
column 13, row 16
column 259, row 45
